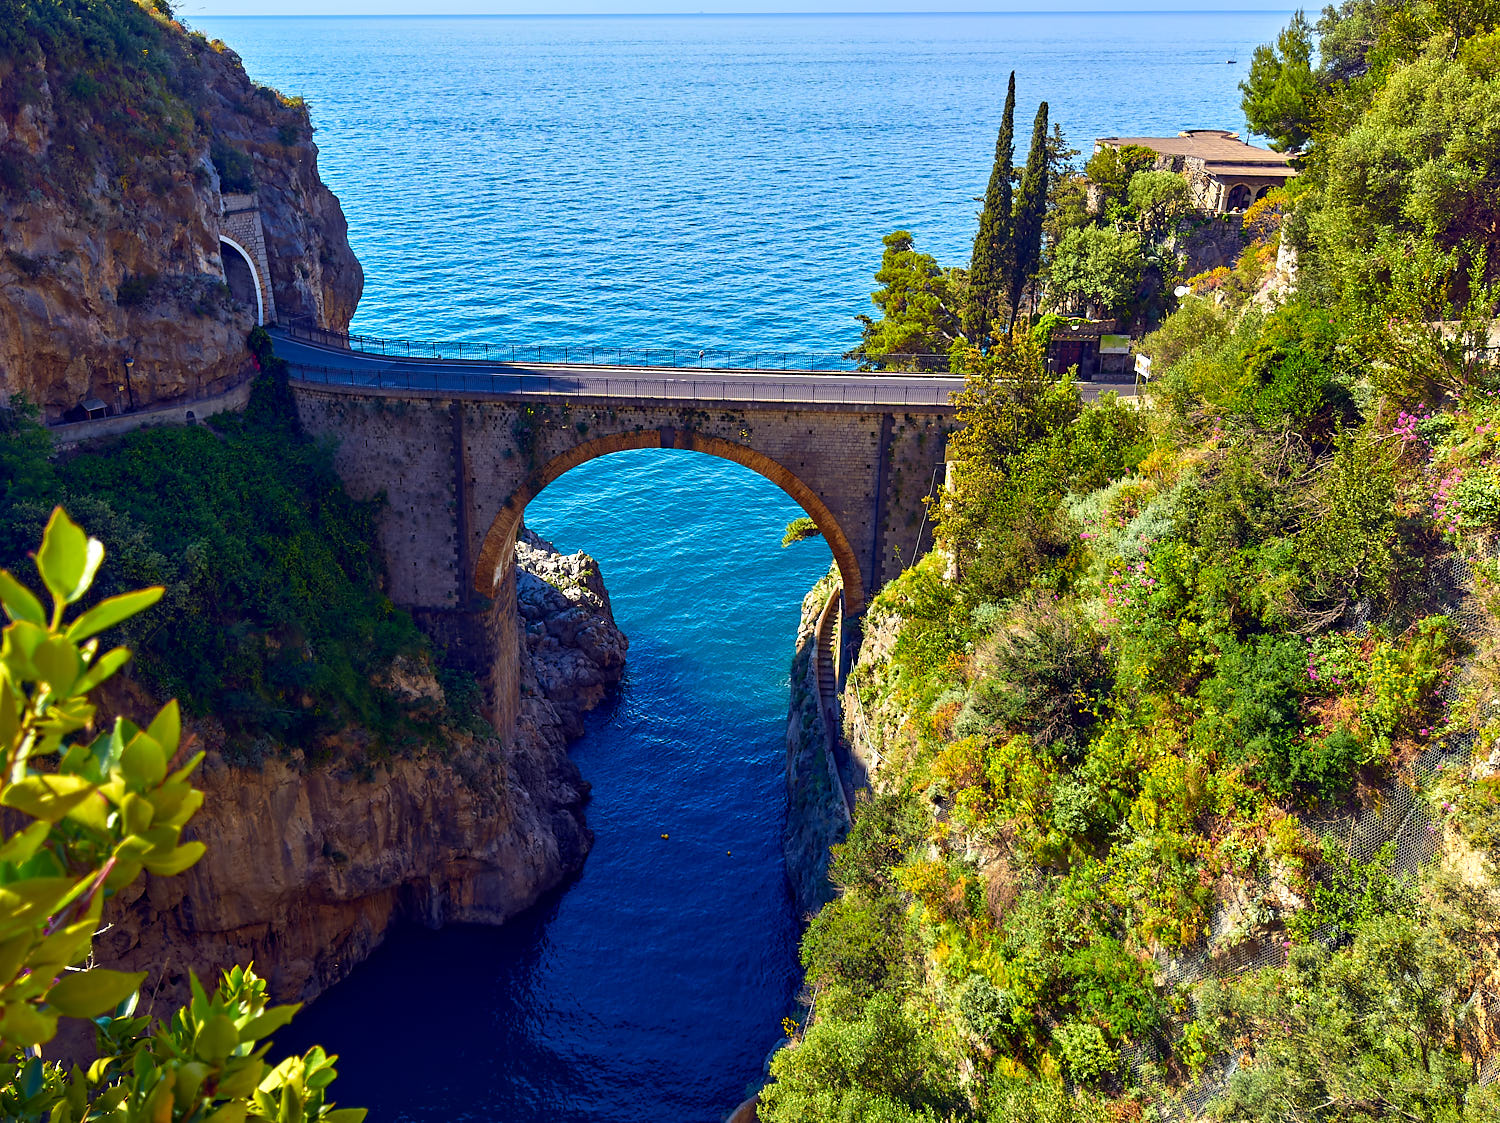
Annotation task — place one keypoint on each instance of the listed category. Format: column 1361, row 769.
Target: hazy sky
column 191, row 9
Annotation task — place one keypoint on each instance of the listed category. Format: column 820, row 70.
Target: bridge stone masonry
column 457, row 468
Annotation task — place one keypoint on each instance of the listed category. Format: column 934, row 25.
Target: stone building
column 1223, row 172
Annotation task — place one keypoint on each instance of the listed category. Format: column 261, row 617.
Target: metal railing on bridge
column 803, row 391
column 563, row 354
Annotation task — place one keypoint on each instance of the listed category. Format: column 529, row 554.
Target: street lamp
column 129, row 389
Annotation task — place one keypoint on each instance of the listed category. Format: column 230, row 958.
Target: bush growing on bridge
column 87, row 817
column 799, row 530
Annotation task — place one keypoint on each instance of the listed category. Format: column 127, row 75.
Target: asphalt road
column 335, row 366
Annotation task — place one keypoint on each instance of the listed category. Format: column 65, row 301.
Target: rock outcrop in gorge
column 121, row 136
column 309, row 867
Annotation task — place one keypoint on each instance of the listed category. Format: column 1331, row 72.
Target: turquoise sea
column 698, row 182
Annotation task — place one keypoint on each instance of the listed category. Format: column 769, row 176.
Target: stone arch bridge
column 459, row 448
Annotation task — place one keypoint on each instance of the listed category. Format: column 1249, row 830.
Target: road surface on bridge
column 336, row 366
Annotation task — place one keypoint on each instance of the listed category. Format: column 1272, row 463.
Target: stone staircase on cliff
column 825, row 677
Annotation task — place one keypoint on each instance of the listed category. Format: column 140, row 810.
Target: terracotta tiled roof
column 1222, row 152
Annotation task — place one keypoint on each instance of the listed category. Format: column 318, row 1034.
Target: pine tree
column 994, row 244
column 1030, row 210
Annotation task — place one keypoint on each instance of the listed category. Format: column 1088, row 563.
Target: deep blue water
column 653, row 987
column 689, row 181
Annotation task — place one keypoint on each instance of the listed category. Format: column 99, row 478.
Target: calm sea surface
column 690, row 182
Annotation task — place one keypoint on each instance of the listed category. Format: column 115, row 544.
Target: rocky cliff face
column 113, row 166
column 815, row 817
column 308, row 868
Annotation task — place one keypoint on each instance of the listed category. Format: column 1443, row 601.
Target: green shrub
column 1111, row 987
column 1348, row 895
column 879, row 1067
column 1353, row 544
column 1478, row 497
column 1385, row 1020
column 84, row 820
column 985, row 1008
column 236, row 172
column 1085, row 1054
column 887, row 825
column 1035, row 1099
column 799, row 530
column 1253, row 716
column 855, row 943
column 135, row 289
column 1106, row 442
column 1044, row 674
column 1294, row 372
column 1197, row 324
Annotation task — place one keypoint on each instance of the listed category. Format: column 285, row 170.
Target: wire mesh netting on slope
column 1400, row 815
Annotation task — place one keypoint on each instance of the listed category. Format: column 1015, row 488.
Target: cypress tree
column 1031, row 208
column 994, row 244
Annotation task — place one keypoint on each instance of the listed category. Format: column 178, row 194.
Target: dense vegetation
column 273, row 621
column 1163, row 642
column 126, row 81
column 84, row 820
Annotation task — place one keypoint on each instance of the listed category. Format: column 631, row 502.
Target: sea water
column 687, row 182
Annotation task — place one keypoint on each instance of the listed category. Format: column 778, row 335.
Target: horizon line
column 748, row 15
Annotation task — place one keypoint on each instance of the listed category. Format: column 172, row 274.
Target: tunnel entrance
column 239, row 275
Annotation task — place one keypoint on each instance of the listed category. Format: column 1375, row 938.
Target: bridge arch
column 260, row 305
column 497, row 552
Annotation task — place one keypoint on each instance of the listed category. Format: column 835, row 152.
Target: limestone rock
column 308, row 867
column 109, row 235
column 576, row 651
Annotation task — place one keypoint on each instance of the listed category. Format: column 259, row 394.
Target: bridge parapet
column 660, row 385
column 592, row 354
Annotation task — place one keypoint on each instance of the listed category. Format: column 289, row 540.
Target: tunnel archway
column 497, row 553
column 240, row 274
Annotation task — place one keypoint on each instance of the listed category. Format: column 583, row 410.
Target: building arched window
column 1239, row 197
